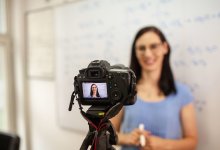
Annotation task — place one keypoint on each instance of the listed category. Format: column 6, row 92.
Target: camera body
column 103, row 85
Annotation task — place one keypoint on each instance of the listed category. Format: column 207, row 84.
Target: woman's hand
column 147, row 136
column 156, row 143
column 132, row 138
column 153, row 143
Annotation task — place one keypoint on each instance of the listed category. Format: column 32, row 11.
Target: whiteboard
column 104, row 29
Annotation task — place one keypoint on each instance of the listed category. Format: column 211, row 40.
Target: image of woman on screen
column 94, row 92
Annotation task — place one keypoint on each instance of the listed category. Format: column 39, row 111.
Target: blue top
column 160, row 118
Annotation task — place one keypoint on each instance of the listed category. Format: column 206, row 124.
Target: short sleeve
column 184, row 94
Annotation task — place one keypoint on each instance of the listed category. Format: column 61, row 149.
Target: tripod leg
column 87, row 141
column 103, row 142
column 109, row 146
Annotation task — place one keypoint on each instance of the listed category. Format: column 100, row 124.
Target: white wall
column 46, row 134
column 18, row 47
column 36, row 106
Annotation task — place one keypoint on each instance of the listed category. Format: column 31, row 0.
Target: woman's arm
column 189, row 140
column 116, row 121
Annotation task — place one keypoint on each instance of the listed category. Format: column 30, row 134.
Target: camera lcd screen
column 94, row 90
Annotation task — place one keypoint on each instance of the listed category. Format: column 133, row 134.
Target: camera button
column 110, row 77
column 116, row 95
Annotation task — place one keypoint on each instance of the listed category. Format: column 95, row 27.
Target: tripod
column 101, row 134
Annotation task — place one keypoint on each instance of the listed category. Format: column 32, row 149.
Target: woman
column 163, row 105
column 94, row 93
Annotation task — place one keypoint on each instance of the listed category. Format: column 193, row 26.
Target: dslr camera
column 103, row 85
column 107, row 88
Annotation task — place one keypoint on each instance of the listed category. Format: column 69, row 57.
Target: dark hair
column 97, row 93
column 166, row 81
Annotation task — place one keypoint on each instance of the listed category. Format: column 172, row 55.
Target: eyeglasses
column 153, row 47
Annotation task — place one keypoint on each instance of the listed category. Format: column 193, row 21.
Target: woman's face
column 150, row 51
column 94, row 88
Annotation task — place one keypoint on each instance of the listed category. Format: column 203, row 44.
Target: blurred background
column 43, row 44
